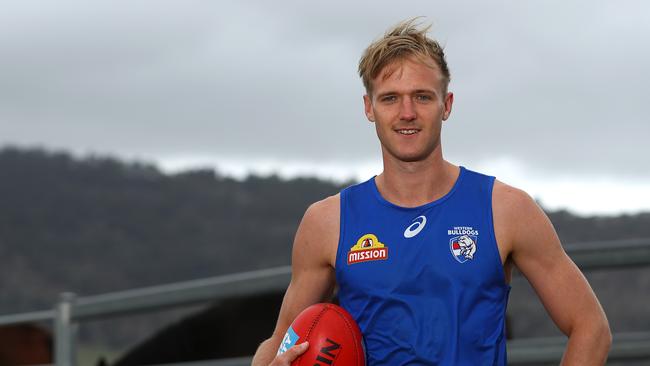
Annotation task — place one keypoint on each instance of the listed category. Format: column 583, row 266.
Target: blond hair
column 403, row 40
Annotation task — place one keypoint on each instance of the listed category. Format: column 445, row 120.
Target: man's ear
column 367, row 104
column 449, row 101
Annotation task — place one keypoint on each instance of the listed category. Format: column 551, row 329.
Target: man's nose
column 407, row 110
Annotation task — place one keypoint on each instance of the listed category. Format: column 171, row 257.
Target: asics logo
column 415, row 228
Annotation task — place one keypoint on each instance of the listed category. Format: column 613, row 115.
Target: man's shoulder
column 319, row 230
column 515, row 212
column 324, row 214
column 510, row 197
column 327, row 206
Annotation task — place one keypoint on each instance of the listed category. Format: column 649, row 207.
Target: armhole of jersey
column 493, row 234
column 342, row 203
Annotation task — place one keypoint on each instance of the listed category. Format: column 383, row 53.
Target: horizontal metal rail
column 169, row 295
column 610, row 254
column 35, row 316
column 182, row 293
column 625, row 346
column 589, row 255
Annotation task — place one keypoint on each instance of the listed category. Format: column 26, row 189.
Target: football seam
column 311, row 327
column 347, row 323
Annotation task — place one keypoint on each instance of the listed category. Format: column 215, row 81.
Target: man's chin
column 407, row 156
column 411, row 158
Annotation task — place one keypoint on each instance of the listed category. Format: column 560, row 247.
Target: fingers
column 292, row 353
column 296, row 351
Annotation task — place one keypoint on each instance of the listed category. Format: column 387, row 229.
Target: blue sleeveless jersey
column 425, row 284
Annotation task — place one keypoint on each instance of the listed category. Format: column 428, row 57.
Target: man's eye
column 423, row 97
column 389, row 98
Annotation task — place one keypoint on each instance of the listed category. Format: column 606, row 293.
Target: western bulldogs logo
column 463, row 247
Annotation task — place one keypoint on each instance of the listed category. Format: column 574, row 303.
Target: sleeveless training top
column 425, row 284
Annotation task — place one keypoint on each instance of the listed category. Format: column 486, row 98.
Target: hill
column 96, row 224
column 92, row 225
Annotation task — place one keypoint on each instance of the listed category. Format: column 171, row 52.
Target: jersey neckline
column 381, row 199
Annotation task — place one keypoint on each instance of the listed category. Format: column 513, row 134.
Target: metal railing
column 70, row 310
column 625, row 346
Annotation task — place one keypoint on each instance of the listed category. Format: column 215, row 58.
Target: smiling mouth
column 407, row 131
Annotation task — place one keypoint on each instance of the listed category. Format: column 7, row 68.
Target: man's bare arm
column 565, row 293
column 312, row 274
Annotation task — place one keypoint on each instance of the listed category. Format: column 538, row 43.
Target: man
column 423, row 253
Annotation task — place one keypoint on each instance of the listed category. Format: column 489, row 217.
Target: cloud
column 559, row 87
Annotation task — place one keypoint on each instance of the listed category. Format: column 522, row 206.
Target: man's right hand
column 292, row 353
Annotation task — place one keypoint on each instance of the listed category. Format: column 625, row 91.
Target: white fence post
column 65, row 331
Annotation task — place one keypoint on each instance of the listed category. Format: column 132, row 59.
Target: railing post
column 65, row 331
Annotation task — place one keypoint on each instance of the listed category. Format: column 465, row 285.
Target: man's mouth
column 407, row 131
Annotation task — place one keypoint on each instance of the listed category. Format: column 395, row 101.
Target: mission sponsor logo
column 367, row 248
column 464, row 244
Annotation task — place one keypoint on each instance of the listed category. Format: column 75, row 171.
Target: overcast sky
column 550, row 96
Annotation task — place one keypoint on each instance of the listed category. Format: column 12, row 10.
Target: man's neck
column 412, row 184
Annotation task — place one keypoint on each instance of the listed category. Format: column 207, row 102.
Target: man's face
column 408, row 105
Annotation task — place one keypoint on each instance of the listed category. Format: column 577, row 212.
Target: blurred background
column 149, row 142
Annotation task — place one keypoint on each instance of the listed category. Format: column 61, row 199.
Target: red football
column 334, row 337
